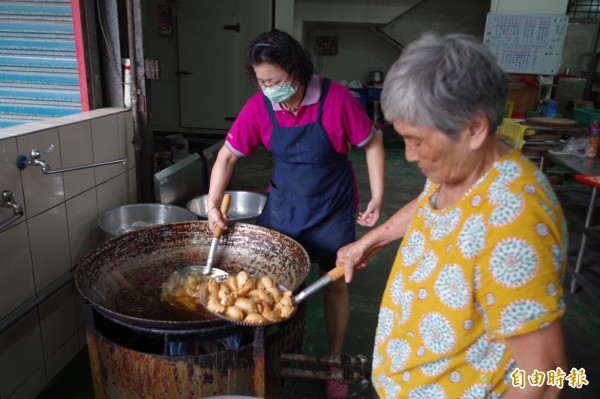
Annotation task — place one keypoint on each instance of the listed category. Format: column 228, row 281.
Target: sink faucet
column 7, row 200
column 35, row 160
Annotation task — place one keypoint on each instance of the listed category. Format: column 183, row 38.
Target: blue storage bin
column 374, row 93
column 360, row 94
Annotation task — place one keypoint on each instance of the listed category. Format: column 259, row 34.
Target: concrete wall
column 360, row 51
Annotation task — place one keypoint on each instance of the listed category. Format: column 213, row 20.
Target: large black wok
column 122, row 277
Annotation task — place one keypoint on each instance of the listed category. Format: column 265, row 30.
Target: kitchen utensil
column 331, row 276
column 171, row 288
column 214, row 244
column 122, row 278
column 217, row 236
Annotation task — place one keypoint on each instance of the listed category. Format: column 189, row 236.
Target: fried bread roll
column 275, row 293
column 228, row 300
column 213, row 286
column 249, row 285
column 241, row 278
column 232, row 283
column 214, row 305
column 255, row 318
column 245, row 305
column 265, row 282
column 224, row 290
column 272, row 315
column 234, row 313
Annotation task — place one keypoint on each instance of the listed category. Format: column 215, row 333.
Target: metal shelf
column 589, row 282
column 593, row 233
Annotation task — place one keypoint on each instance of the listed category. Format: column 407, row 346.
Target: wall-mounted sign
column 164, row 20
column 529, row 44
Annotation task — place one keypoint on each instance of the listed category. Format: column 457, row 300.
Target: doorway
column 207, row 60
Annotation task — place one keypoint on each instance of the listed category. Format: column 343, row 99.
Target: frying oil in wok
column 145, row 302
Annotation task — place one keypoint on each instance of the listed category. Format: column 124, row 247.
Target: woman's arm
column 219, row 178
column 376, row 167
column 353, row 255
column 542, row 350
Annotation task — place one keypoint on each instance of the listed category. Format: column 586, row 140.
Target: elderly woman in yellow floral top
column 474, row 300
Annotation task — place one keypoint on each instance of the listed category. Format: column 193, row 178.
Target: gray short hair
column 442, row 82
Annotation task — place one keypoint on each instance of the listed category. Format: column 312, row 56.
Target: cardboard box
column 525, row 97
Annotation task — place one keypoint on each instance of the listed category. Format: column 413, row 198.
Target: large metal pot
column 127, row 218
column 245, row 207
column 122, row 277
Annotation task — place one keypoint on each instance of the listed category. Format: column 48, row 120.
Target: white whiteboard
column 526, row 43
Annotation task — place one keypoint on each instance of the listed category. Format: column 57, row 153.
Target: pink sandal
column 335, row 389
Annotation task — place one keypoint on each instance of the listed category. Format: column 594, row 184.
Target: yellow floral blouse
column 488, row 267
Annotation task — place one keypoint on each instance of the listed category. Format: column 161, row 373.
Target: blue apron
column 312, row 188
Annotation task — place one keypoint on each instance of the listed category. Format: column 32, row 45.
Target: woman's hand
column 216, row 218
column 352, row 256
column 371, row 215
column 220, row 176
column 376, row 165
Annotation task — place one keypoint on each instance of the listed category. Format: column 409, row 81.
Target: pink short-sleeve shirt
column 344, row 118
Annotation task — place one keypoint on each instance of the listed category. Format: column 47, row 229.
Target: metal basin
column 128, row 218
column 245, row 207
column 123, row 277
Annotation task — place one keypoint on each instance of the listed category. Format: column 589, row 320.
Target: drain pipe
column 138, row 140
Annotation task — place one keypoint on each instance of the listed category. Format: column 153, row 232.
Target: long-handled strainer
column 331, row 276
column 214, row 244
column 177, row 279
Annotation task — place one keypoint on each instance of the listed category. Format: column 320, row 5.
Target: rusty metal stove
column 129, row 361
column 135, row 350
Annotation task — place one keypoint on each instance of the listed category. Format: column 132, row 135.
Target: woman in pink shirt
column 309, row 124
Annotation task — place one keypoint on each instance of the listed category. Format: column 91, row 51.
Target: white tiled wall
column 59, row 227
column 76, row 149
column 16, row 273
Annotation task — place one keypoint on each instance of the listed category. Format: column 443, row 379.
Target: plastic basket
column 586, row 116
column 515, row 132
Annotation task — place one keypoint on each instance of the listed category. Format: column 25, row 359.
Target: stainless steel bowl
column 245, row 207
column 128, row 218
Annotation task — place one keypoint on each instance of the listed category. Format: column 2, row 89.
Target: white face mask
column 279, row 94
